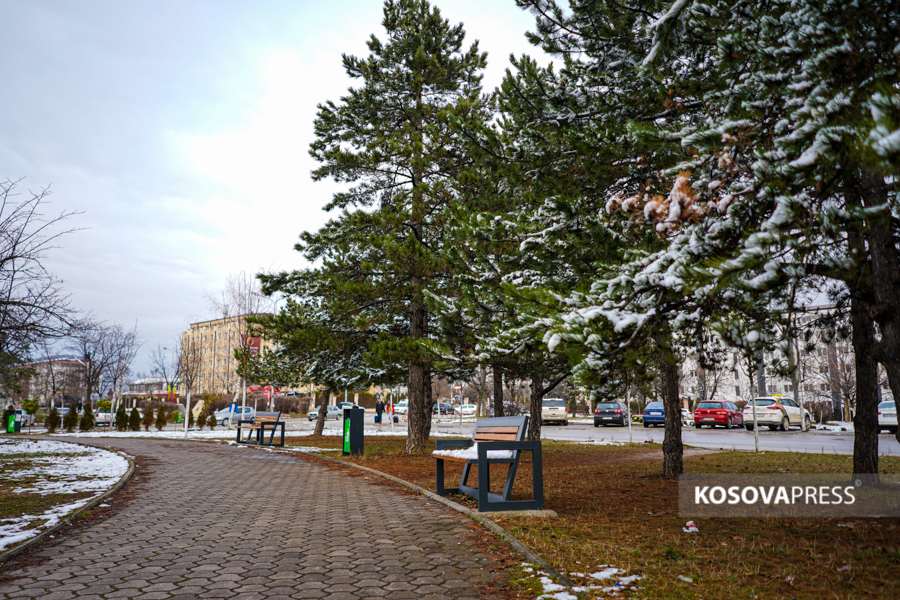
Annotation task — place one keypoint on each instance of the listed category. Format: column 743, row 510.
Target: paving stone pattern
column 210, row 521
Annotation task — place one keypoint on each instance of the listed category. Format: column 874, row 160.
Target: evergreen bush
column 52, row 421
column 161, row 419
column 121, row 419
column 70, row 422
column 190, row 419
column 6, row 412
column 87, row 419
column 211, row 421
column 147, row 420
column 134, row 420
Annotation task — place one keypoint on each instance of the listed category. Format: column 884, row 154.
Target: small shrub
column 52, row 421
column 190, row 422
column 121, row 419
column 147, row 419
column 87, row 419
column 70, row 422
column 161, row 419
column 134, row 420
column 6, row 413
column 211, row 421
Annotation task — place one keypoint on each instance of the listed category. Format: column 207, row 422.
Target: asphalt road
column 793, row 440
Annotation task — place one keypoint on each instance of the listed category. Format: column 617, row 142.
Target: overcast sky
column 180, row 129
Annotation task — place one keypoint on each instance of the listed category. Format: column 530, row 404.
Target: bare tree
column 166, row 365
column 33, row 305
column 242, row 297
column 90, row 344
column 122, row 346
column 190, row 361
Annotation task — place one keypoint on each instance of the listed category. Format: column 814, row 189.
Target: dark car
column 610, row 413
column 654, row 414
column 713, row 413
column 443, row 409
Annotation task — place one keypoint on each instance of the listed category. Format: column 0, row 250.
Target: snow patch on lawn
column 58, row 468
column 607, row 575
column 835, row 426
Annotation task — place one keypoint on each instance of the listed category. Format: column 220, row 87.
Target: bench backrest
column 267, row 417
column 500, row 429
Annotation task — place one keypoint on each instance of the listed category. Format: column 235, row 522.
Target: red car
column 726, row 414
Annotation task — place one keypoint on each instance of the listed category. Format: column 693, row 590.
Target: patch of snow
column 58, row 468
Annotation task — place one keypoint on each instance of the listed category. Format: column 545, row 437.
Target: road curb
column 529, row 554
column 72, row 516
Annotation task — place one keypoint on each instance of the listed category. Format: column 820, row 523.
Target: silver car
column 333, row 413
column 222, row 416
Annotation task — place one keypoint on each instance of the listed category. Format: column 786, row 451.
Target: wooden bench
column 260, row 424
column 497, row 440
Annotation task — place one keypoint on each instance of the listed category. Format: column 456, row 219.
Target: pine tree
column 147, row 418
column 190, row 418
column 87, row 419
column 211, row 421
column 52, row 421
column 392, row 136
column 6, row 413
column 121, row 421
column 161, row 418
column 134, row 420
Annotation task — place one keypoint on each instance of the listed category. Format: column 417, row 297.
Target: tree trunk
column 419, row 386
column 865, row 423
column 673, row 449
column 885, row 279
column 323, row 412
column 187, row 412
column 498, row 390
column 537, row 395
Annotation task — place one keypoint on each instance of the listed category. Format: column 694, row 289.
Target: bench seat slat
column 490, row 437
column 496, row 429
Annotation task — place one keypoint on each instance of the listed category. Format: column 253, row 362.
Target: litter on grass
column 55, row 468
column 690, row 527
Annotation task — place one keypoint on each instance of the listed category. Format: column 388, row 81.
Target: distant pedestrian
column 379, row 409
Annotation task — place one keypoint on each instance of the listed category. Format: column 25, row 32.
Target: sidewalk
column 213, row 521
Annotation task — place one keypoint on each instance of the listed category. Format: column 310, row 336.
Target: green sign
column 11, row 428
column 347, row 436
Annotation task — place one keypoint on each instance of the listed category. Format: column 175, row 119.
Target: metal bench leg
column 484, row 482
column 439, row 477
column 510, row 477
column 465, row 475
column 538, row 476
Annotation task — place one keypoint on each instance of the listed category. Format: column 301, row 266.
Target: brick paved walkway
column 213, row 521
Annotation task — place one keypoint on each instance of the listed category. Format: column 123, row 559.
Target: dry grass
column 615, row 508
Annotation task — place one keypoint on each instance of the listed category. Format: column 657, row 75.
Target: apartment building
column 217, row 341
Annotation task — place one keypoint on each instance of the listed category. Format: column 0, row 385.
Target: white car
column 887, row 416
column 401, row 408
column 468, row 409
column 686, row 417
column 553, row 410
column 775, row 412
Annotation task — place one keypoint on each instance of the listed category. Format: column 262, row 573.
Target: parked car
column 468, row 409
column 775, row 412
column 248, row 414
column 553, row 410
column 24, row 417
column 654, row 414
column 343, row 405
column 401, row 408
column 443, row 408
column 716, row 412
column 332, row 412
column 610, row 413
column 103, row 417
column 887, row 416
column 686, row 417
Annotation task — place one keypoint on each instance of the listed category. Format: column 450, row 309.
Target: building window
column 737, row 391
